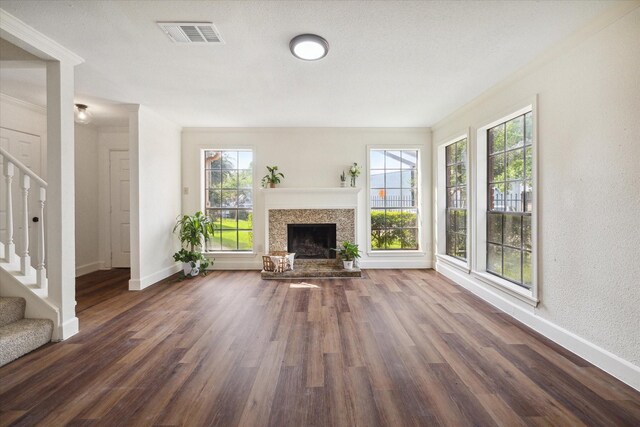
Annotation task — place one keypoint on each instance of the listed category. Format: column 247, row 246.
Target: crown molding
column 17, row 32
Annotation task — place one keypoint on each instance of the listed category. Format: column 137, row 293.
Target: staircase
column 19, row 336
column 23, row 277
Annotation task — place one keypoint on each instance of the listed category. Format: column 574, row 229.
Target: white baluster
column 25, row 259
column 9, row 246
column 41, row 271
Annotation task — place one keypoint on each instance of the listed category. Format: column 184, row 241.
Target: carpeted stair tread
column 11, row 310
column 21, row 337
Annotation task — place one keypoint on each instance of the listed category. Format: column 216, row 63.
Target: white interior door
column 27, row 149
column 119, row 184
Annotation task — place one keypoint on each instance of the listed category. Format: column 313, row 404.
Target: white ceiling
column 391, row 63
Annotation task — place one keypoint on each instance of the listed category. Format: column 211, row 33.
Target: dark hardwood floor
column 395, row 348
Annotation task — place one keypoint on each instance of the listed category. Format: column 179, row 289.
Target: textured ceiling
column 391, row 63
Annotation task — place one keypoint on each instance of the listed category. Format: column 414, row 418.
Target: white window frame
column 479, row 244
column 203, row 187
column 441, row 203
column 420, row 251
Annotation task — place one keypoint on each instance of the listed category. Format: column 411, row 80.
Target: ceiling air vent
column 191, row 32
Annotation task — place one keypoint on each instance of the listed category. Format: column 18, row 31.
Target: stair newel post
column 41, row 271
column 9, row 246
column 25, row 259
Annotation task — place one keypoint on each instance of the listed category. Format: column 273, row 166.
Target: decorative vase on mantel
column 353, row 181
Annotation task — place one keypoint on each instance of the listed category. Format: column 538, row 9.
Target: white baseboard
column 145, row 282
column 389, row 263
column 81, row 270
column 603, row 359
column 67, row 330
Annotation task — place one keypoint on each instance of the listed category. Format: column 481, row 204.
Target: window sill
column 454, row 262
column 507, row 287
column 230, row 254
column 400, row 253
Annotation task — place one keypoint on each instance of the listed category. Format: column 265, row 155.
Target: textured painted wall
column 589, row 182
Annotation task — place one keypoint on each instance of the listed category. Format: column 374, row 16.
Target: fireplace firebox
column 312, row 241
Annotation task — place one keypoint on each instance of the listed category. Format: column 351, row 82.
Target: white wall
column 588, row 197
column 308, row 157
column 86, row 178
column 155, row 196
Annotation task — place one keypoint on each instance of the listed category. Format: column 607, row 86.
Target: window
column 456, row 199
column 510, row 200
column 393, row 201
column 228, row 195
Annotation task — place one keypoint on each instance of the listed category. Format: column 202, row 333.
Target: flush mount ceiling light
column 81, row 115
column 309, row 47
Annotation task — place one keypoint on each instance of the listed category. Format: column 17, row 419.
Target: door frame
column 104, row 190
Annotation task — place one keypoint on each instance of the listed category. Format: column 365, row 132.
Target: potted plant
column 193, row 231
column 348, row 252
column 272, row 178
column 343, row 179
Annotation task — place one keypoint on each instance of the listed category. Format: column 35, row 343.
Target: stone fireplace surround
column 280, row 218
column 309, row 206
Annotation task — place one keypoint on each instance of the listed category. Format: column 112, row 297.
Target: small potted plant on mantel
column 193, row 231
column 348, row 252
column 272, row 178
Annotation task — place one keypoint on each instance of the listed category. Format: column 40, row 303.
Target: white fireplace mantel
column 310, row 198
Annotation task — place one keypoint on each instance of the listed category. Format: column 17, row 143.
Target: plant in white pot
column 193, row 231
column 348, row 252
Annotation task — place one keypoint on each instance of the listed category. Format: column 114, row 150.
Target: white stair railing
column 27, row 177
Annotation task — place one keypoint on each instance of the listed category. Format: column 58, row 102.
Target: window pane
column 409, row 238
column 514, row 193
column 393, row 218
column 408, row 199
column 461, row 175
column 245, row 240
column 461, row 221
column 451, row 176
column 410, row 218
column 451, row 221
column 229, row 240
column 214, row 244
column 527, row 275
column 450, row 154
column 409, row 179
column 376, row 159
column 515, row 132
column 494, row 229
column 214, row 178
column 496, row 168
column 515, row 165
column 229, row 198
column 496, row 197
column 377, row 219
column 461, row 151
column 528, row 129
column 494, row 258
column 245, row 178
column 512, row 230
column 392, row 160
column 376, row 180
column 512, row 265
column 214, row 199
column 229, row 219
column 245, row 159
column 409, row 159
column 245, row 219
column 377, row 197
column 451, row 244
column 393, row 178
column 526, row 232
column 215, row 219
column 528, row 163
column 528, row 196
column 229, row 179
column 229, row 160
column 496, row 139
column 461, row 245
column 245, row 198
